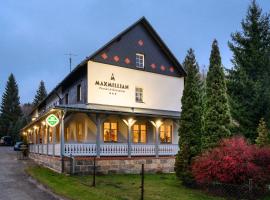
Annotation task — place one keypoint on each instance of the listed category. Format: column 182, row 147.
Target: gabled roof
column 154, row 35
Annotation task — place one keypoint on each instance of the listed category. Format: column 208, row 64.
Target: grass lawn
column 116, row 187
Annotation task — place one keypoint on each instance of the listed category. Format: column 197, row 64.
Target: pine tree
column 263, row 134
column 40, row 94
column 216, row 112
column 10, row 108
column 190, row 120
column 249, row 80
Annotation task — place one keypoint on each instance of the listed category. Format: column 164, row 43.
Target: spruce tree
column 216, row 112
column 10, row 108
column 190, row 120
column 263, row 134
column 249, row 80
column 40, row 94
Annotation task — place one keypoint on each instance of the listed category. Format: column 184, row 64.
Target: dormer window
column 139, row 60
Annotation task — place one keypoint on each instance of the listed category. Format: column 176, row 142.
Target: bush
column 234, row 161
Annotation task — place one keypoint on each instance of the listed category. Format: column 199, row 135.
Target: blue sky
column 36, row 35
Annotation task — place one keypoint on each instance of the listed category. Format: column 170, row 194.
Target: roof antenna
column 70, row 59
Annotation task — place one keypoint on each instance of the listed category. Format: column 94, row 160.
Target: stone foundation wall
column 51, row 162
column 107, row 165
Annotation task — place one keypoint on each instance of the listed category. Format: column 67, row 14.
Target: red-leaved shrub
column 234, row 161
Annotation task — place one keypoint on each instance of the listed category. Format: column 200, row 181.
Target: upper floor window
column 139, row 95
column 139, row 60
column 165, row 133
column 66, row 98
column 79, row 92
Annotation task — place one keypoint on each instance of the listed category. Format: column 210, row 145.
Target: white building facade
column 120, row 105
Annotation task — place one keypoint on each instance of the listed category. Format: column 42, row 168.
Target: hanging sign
column 52, row 120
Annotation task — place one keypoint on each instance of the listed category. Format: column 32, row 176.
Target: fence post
column 142, row 182
column 250, row 187
column 94, row 173
column 71, row 164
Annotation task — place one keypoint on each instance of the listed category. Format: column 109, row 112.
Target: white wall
column 160, row 92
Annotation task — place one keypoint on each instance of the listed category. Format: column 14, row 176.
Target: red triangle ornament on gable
column 127, row 61
column 104, row 56
column 140, row 42
column 116, row 58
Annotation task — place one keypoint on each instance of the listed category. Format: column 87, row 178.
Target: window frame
column 79, row 92
column 140, row 99
column 165, row 134
column 110, row 131
column 140, row 133
column 139, row 60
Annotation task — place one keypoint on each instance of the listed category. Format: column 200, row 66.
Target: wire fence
column 240, row 192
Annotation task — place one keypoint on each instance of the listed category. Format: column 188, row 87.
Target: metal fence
column 249, row 191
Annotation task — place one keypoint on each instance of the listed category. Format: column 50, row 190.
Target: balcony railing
column 108, row 149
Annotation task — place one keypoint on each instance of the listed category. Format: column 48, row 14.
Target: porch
column 103, row 134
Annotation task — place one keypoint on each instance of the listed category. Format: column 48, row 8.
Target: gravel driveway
column 14, row 184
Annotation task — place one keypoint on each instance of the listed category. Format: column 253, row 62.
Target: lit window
column 139, row 95
column 139, row 60
column 79, row 92
column 165, row 133
column 110, row 132
column 139, row 133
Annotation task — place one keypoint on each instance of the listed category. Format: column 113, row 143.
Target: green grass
column 116, row 187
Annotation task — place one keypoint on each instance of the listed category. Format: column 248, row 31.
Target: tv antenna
column 70, row 59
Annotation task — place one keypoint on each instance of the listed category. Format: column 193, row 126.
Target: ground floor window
column 139, row 133
column 110, row 132
column 165, row 133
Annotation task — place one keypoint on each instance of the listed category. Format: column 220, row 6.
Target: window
column 139, row 60
column 139, row 133
column 66, row 98
column 110, row 131
column 165, row 133
column 79, row 92
column 139, row 95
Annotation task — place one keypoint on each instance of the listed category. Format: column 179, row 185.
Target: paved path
column 14, row 184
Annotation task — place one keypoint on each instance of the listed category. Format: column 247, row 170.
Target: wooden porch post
column 98, row 124
column 42, row 138
column 54, row 139
column 62, row 140
column 157, row 141
column 35, row 141
column 47, row 135
column 129, row 124
column 156, row 125
column 38, row 138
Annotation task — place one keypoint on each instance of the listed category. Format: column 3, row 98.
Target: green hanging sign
column 52, row 120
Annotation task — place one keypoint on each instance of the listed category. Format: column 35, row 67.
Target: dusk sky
column 36, row 35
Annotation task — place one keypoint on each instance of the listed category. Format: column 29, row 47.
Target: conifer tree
column 216, row 112
column 40, row 94
column 249, row 80
column 10, row 108
column 190, row 120
column 263, row 134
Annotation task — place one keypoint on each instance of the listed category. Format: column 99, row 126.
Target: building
column 120, row 105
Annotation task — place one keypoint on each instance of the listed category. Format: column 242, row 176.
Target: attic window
column 139, row 60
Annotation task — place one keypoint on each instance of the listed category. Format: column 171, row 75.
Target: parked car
column 17, row 146
column 6, row 141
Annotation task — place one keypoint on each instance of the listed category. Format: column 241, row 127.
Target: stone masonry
column 107, row 165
